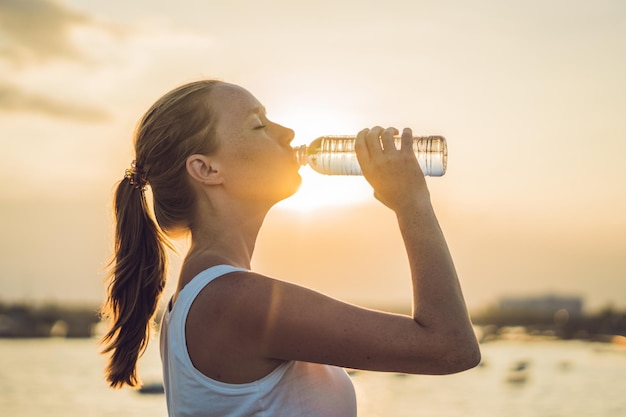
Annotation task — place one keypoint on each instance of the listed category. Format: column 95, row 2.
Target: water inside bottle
column 334, row 155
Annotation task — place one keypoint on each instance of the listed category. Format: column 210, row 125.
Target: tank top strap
column 189, row 293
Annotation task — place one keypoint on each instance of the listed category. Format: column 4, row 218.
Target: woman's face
column 257, row 161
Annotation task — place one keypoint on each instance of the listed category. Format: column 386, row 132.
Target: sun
column 311, row 117
column 319, row 191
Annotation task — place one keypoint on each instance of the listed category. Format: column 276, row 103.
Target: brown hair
column 178, row 125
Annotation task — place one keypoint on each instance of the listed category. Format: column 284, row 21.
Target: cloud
column 33, row 34
column 14, row 99
column 64, row 62
column 37, row 31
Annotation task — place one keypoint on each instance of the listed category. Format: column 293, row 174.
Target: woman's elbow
column 461, row 357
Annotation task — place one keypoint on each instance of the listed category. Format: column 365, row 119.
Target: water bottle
column 334, row 155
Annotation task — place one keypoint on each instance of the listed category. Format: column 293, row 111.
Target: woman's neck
column 222, row 244
column 230, row 234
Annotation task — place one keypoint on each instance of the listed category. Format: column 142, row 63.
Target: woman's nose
column 287, row 134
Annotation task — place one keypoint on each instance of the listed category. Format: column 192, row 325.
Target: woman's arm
column 438, row 304
column 275, row 320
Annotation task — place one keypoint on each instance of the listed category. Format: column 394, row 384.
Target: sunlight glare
column 311, row 119
column 319, row 191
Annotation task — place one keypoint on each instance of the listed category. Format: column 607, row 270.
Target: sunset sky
column 531, row 97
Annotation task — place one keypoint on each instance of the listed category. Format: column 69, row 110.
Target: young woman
column 238, row 343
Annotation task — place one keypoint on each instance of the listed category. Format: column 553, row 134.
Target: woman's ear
column 204, row 169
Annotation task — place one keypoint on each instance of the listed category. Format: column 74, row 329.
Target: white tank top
column 293, row 389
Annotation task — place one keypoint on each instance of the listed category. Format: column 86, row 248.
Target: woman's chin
column 290, row 189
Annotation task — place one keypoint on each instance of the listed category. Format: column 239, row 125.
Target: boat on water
column 152, row 388
column 519, row 372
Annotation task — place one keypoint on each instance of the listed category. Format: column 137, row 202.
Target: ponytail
column 136, row 281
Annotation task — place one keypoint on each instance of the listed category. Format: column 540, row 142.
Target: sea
column 517, row 378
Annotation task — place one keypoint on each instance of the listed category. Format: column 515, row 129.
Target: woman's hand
column 394, row 174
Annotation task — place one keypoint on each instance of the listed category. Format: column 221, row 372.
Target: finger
column 406, row 143
column 387, row 138
column 372, row 140
column 360, row 147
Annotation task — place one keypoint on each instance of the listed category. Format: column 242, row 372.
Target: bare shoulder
column 248, row 298
column 229, row 290
column 225, row 325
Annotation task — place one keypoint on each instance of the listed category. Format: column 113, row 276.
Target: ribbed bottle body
column 334, row 155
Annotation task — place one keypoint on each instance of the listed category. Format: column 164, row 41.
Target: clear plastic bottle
column 334, row 155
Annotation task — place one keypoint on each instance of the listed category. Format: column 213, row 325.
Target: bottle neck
column 301, row 154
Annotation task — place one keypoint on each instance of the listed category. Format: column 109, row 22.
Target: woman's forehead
column 230, row 96
column 233, row 107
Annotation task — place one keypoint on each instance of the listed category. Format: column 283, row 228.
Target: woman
column 237, row 343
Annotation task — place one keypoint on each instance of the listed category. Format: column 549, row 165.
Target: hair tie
column 136, row 176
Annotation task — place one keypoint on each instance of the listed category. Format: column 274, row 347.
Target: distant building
column 542, row 305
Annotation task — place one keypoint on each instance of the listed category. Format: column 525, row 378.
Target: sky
column 531, row 97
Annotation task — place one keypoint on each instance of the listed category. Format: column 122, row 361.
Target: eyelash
column 261, row 127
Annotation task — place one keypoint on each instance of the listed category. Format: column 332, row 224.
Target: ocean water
column 59, row 377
